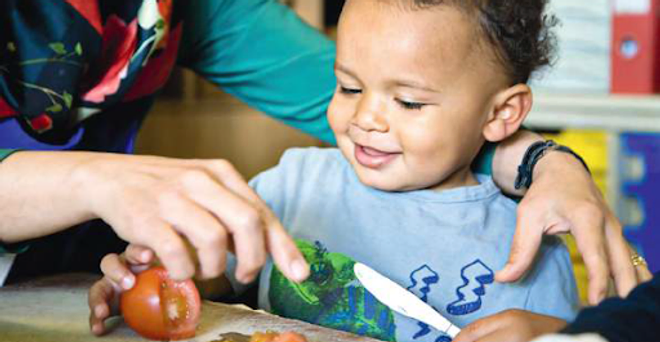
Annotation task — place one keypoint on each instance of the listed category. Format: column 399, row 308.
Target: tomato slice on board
column 290, row 336
column 159, row 308
column 270, row 336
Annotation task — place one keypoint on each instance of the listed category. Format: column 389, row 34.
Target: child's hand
column 119, row 276
column 511, row 326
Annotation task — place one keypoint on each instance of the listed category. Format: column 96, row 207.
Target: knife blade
column 401, row 300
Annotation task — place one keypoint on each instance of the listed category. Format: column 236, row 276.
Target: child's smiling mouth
column 373, row 158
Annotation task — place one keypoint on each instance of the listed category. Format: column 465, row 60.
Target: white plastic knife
column 401, row 300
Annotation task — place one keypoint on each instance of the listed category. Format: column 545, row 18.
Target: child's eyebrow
column 345, row 70
column 412, row 84
column 405, row 83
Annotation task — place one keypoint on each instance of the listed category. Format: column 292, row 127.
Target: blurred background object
column 583, row 34
column 635, row 47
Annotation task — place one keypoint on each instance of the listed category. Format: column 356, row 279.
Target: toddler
column 421, row 86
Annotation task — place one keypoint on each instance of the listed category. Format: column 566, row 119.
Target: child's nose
column 369, row 115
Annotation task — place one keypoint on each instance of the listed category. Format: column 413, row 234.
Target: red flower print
column 41, row 123
column 157, row 71
column 5, row 109
column 165, row 10
column 119, row 42
column 89, row 9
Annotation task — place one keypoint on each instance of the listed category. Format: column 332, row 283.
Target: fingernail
column 145, row 256
column 99, row 311
column 299, row 269
column 127, row 282
column 244, row 278
column 97, row 329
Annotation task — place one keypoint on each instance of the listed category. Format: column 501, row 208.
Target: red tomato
column 290, row 336
column 159, row 308
column 270, row 336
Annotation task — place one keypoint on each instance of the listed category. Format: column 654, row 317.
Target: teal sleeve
column 4, row 153
column 13, row 248
column 484, row 162
column 16, row 248
column 261, row 52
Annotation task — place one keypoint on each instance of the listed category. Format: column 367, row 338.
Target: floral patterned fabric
column 65, row 61
column 257, row 50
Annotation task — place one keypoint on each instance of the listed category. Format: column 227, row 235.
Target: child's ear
column 510, row 109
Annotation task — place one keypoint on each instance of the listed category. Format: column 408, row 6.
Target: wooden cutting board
column 55, row 309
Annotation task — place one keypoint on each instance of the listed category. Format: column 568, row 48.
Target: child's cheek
column 338, row 117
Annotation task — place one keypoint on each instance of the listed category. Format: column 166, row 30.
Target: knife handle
column 442, row 324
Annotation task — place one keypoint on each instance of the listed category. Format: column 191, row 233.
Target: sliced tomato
column 270, row 336
column 159, row 308
column 290, row 336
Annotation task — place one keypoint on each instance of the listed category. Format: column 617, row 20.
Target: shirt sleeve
column 483, row 163
column 635, row 318
column 4, row 153
column 261, row 52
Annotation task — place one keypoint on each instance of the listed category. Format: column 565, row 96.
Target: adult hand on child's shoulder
column 510, row 326
column 563, row 198
column 118, row 271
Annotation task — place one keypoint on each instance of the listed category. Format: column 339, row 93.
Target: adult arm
column 261, row 52
column 635, row 318
column 149, row 201
column 32, row 206
column 563, row 198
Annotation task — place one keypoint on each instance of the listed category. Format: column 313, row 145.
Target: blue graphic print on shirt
column 476, row 276
column 422, row 279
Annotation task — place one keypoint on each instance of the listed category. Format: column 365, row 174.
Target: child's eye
column 411, row 105
column 349, row 91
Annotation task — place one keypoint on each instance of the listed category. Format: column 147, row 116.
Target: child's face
column 415, row 89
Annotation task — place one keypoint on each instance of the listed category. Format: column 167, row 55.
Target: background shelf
column 616, row 113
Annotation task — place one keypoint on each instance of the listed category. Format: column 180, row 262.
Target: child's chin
column 379, row 184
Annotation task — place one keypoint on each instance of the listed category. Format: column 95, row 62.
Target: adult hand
column 118, row 270
column 153, row 202
column 564, row 199
column 510, row 326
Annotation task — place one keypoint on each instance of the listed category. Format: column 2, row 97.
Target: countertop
column 55, row 309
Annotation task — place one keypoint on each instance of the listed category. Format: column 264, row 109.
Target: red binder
column 636, row 46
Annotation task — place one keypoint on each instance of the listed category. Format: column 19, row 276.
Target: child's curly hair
column 518, row 30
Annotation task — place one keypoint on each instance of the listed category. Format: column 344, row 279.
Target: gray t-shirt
column 443, row 246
